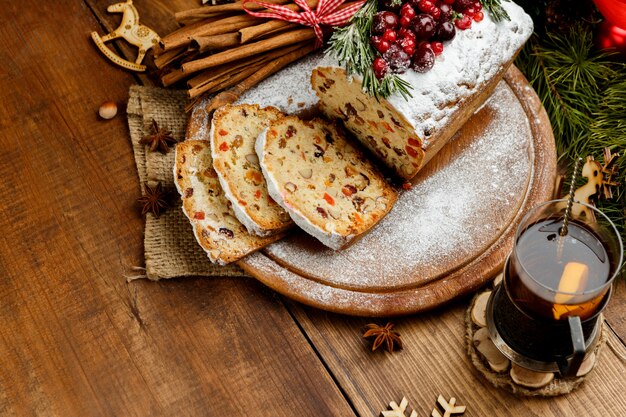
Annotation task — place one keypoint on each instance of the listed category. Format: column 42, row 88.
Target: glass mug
column 544, row 316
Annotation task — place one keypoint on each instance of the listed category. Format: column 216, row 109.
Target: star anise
column 383, row 335
column 160, row 139
column 154, row 200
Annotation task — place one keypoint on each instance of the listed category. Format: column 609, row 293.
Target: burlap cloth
column 170, row 247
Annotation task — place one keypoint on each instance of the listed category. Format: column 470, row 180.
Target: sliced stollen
column 326, row 185
column 214, row 224
column 234, row 130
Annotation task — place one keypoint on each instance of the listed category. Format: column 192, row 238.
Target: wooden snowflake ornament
column 132, row 32
column 449, row 408
column 398, row 410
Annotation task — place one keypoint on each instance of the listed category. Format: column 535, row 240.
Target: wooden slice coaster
column 498, row 370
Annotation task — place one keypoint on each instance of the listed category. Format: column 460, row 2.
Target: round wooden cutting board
column 447, row 235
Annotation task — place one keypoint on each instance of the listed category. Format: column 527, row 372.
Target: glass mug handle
column 570, row 368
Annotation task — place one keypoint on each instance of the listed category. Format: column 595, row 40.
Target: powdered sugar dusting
column 462, row 204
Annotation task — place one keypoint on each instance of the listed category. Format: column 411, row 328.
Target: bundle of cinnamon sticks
column 221, row 47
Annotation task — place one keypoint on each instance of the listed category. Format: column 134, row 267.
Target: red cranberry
column 383, row 21
column 436, row 13
column 397, row 59
column 407, row 10
column 464, row 23
column 462, row 5
column 470, row 11
column 446, row 11
column 478, row 6
column 390, row 36
column 479, row 16
column 445, row 31
column 406, row 33
column 437, row 47
column 424, row 26
column 426, row 6
column 380, row 67
column 405, row 21
column 408, row 45
column 424, row 58
column 450, row 2
column 380, row 44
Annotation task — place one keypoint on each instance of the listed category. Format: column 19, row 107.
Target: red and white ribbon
column 324, row 14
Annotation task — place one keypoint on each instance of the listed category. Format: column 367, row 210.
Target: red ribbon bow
column 324, row 14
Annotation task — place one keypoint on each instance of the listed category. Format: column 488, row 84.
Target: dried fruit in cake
column 234, row 130
column 214, row 224
column 325, row 183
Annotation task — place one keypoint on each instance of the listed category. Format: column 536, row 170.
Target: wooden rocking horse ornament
column 139, row 35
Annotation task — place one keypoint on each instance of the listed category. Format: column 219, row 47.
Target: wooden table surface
column 77, row 340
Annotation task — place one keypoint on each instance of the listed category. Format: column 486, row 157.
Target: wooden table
column 76, row 339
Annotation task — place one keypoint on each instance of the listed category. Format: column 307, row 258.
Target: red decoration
column 612, row 32
column 613, row 10
column 324, row 14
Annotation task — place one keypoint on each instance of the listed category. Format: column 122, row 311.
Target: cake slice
column 234, row 130
column 214, row 224
column 326, row 185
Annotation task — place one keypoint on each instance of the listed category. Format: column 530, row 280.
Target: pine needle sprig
column 583, row 92
column 495, row 9
column 350, row 46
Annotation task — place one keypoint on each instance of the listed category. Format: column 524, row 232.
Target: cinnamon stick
column 211, row 43
column 230, row 96
column 183, row 36
column 168, row 57
column 221, row 9
column 210, row 78
column 254, row 32
column 283, row 39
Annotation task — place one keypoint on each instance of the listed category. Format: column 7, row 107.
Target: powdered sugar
column 462, row 204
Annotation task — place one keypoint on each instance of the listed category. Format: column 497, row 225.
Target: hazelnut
column 107, row 110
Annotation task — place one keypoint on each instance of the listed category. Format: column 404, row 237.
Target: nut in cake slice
column 325, row 183
column 214, row 224
column 234, row 130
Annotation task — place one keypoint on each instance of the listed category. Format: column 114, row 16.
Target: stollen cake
column 214, row 224
column 326, row 185
column 234, row 130
column 405, row 134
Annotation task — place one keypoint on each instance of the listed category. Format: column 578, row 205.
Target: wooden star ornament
column 449, row 407
column 398, row 410
column 383, row 335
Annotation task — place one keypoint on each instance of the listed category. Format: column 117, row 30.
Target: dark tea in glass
column 554, row 276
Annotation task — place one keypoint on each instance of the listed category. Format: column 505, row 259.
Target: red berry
column 380, row 67
column 448, row 1
column 390, row 36
column 426, row 6
column 445, row 31
column 383, row 21
column 436, row 13
column 478, row 16
column 397, row 59
column 424, row 58
column 424, row 26
column 437, row 47
column 405, row 21
column 381, row 45
column 408, row 45
column 406, row 33
column 464, row 23
column 407, row 10
column 478, row 6
column 446, row 11
column 470, row 11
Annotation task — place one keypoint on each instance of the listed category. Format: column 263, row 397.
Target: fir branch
column 350, row 45
column 583, row 92
column 495, row 9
